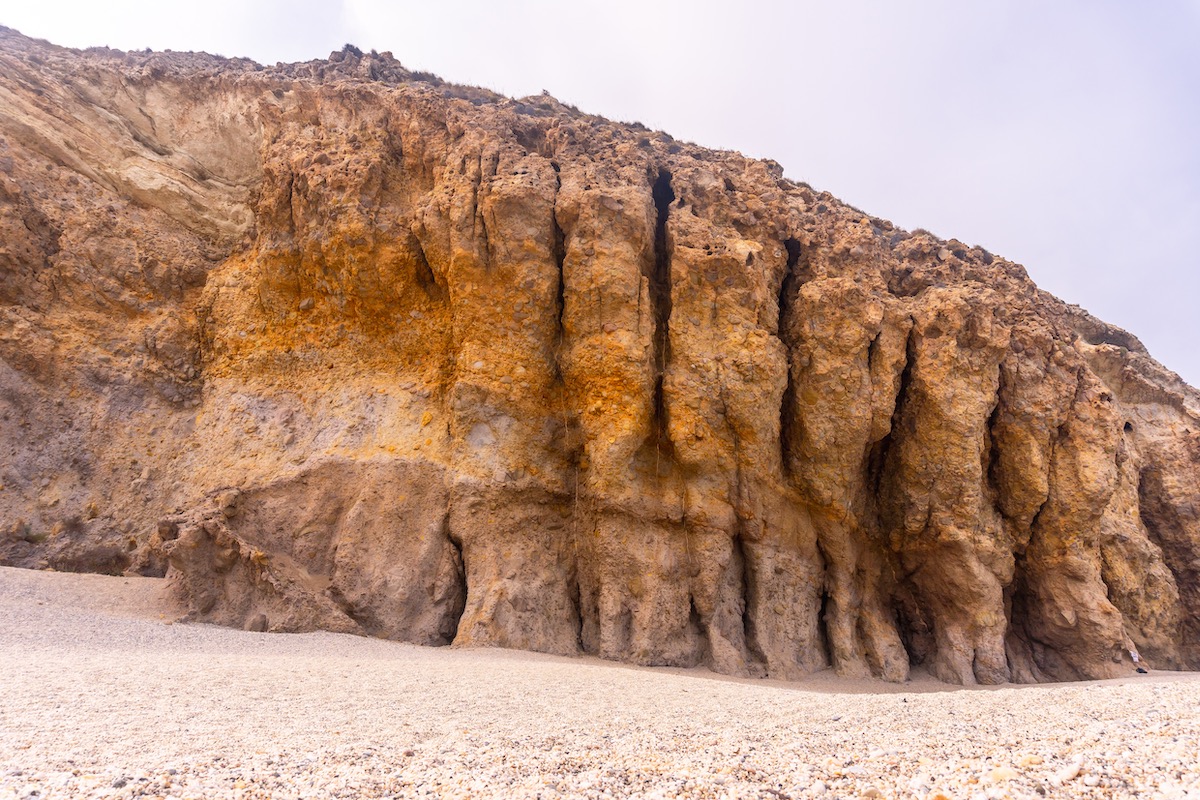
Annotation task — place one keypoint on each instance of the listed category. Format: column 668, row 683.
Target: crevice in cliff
column 291, row 205
column 699, row 630
column 1033, row 523
column 991, row 450
column 660, row 304
column 572, row 444
column 484, row 243
column 824, row 610
column 914, row 628
column 788, row 289
column 794, row 252
column 458, row 605
column 879, row 452
column 425, row 276
column 560, row 258
column 787, row 422
column 576, row 596
column 1023, row 650
column 873, row 351
column 749, row 589
column 1019, row 594
column 823, row 625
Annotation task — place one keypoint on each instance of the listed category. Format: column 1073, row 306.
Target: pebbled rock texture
column 336, row 345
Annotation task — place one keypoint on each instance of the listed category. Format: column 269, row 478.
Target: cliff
column 335, row 345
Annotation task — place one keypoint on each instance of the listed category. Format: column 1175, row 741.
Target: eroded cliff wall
column 338, row 346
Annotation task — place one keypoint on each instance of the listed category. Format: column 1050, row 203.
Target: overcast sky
column 1062, row 134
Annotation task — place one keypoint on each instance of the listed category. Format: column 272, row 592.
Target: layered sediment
column 338, row 346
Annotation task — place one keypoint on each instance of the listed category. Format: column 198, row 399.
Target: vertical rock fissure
column 425, row 276
column 660, row 303
column 696, row 624
column 1033, row 523
column 787, row 292
column 1018, row 589
column 291, row 205
column 560, row 258
column 573, row 451
column 575, row 592
column 823, row 610
column 749, row 628
column 878, row 457
column 991, row 465
column 823, row 624
column 873, row 349
column 480, row 218
column 456, row 611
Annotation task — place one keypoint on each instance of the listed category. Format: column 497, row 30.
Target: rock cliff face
column 335, row 345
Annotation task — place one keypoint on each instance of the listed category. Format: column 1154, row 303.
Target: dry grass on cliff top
column 102, row 698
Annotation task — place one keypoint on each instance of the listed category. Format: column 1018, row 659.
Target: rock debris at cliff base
column 341, row 347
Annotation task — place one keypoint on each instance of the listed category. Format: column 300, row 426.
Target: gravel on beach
column 101, row 696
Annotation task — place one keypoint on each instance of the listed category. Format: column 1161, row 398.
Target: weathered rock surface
column 339, row 346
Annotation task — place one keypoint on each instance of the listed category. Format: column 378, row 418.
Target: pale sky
column 1063, row 135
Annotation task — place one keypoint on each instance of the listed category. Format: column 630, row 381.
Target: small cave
column 531, row 136
column 1100, row 334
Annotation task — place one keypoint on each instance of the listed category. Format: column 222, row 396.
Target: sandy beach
column 103, row 696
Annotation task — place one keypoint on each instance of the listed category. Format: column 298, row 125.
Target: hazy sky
column 1064, row 135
